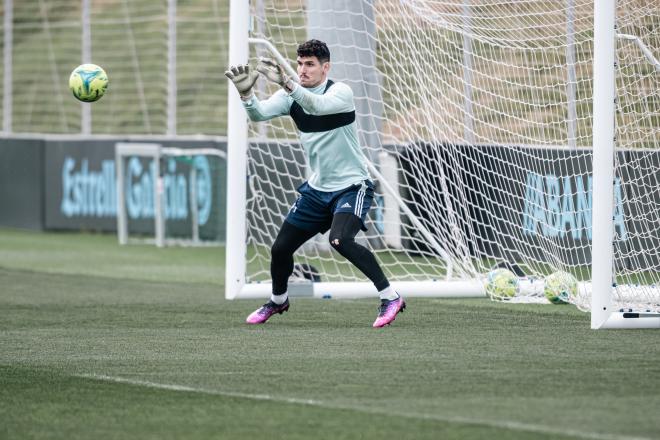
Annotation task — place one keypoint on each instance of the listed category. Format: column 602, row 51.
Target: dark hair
column 315, row 48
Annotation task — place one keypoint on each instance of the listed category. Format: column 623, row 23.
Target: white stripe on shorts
column 359, row 201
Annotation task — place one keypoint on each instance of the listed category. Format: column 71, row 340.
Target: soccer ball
column 501, row 284
column 88, row 82
column 559, row 287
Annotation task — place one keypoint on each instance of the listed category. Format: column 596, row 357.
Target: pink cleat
column 263, row 313
column 388, row 311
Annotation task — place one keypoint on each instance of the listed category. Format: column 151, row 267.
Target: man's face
column 311, row 72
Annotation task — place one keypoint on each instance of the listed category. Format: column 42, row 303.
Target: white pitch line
column 174, row 387
column 506, row 424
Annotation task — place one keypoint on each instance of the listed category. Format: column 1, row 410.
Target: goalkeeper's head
column 313, row 63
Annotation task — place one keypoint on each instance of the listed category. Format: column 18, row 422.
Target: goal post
column 237, row 139
column 603, row 159
column 603, row 313
column 151, row 152
column 507, row 149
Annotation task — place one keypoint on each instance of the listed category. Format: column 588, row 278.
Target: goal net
column 477, row 120
column 169, row 196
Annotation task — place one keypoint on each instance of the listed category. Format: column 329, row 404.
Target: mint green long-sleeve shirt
column 334, row 156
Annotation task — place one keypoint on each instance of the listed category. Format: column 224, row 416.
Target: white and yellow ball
column 501, row 284
column 88, row 82
column 560, row 287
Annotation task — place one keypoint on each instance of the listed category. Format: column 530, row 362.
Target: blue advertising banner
column 81, row 190
column 505, row 211
column 514, row 203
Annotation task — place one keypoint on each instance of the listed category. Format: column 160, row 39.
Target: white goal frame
column 237, row 142
column 155, row 152
column 602, row 313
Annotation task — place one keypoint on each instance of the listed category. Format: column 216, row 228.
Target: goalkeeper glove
column 243, row 79
column 274, row 73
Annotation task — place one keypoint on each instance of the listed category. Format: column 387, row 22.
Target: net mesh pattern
column 483, row 111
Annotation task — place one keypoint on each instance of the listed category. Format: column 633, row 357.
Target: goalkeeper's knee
column 342, row 244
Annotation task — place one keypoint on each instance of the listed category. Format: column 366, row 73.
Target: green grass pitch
column 103, row 341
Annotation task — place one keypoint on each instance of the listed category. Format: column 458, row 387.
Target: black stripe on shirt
column 315, row 123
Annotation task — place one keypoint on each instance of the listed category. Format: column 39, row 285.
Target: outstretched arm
column 339, row 99
column 276, row 105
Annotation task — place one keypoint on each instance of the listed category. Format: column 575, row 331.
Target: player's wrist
column 246, row 96
column 288, row 85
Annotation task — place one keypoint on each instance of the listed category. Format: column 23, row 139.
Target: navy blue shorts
column 314, row 209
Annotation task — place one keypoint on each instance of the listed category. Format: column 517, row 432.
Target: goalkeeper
column 339, row 192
